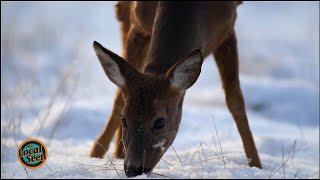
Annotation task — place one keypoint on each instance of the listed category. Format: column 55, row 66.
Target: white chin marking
column 160, row 145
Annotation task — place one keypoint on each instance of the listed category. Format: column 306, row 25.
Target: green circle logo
column 32, row 153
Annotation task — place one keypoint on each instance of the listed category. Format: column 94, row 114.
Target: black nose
column 133, row 171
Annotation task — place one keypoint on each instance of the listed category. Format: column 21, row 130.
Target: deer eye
column 124, row 122
column 159, row 123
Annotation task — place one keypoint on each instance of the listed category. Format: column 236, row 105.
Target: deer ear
column 185, row 73
column 115, row 67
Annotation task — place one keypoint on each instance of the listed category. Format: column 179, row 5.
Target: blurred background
column 52, row 85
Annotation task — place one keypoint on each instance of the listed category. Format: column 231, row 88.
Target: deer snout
column 136, row 171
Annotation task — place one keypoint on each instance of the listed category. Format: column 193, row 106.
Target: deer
column 164, row 45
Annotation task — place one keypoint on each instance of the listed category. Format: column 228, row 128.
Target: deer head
column 152, row 108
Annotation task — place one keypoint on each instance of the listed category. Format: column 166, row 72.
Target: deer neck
column 176, row 32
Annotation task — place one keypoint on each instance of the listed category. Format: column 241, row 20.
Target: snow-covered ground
column 53, row 89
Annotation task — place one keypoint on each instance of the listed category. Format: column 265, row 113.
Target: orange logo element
column 32, row 153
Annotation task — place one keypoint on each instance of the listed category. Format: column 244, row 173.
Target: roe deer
column 164, row 44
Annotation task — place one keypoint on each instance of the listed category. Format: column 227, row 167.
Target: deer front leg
column 226, row 57
column 119, row 148
column 101, row 145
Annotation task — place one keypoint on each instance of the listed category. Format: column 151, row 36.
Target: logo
column 32, row 153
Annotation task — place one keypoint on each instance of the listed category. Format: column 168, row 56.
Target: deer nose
column 133, row 171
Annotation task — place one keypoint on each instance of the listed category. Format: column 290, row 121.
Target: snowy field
column 53, row 89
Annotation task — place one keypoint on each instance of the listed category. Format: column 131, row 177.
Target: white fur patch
column 160, row 145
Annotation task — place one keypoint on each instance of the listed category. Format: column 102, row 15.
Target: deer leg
column 119, row 148
column 101, row 145
column 226, row 57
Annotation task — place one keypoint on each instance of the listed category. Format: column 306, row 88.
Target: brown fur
column 156, row 36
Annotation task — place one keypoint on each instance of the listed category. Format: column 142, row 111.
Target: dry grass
column 23, row 79
column 109, row 159
column 2, row 153
column 215, row 127
column 203, row 160
column 21, row 70
column 290, row 156
column 201, row 151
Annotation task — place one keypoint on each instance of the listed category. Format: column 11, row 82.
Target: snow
column 54, row 89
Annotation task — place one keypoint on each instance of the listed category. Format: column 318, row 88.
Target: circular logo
column 32, row 153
